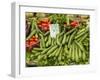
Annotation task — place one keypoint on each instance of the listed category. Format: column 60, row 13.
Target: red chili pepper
column 74, row 23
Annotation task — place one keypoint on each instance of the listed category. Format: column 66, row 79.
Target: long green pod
column 83, row 38
column 72, row 30
column 73, row 53
column 76, row 54
column 71, row 38
column 67, row 38
column 82, row 33
column 33, row 25
column 53, row 53
column 52, row 49
column 46, row 50
column 80, row 53
column 83, row 56
column 31, row 34
column 42, row 40
column 59, row 49
column 58, row 42
column 66, row 49
column 80, row 45
column 50, row 40
column 70, row 52
column 60, row 55
column 37, row 49
column 64, row 39
column 47, row 33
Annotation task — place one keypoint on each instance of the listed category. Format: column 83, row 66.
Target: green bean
column 58, row 40
column 82, row 33
column 67, row 38
column 73, row 53
column 80, row 46
column 38, row 49
column 71, row 38
column 70, row 52
column 84, row 56
column 84, row 37
column 64, row 39
column 66, row 49
column 76, row 54
column 52, row 49
column 60, row 55
column 46, row 50
column 58, row 51
column 47, row 33
column 53, row 53
column 31, row 34
column 72, row 30
column 80, row 53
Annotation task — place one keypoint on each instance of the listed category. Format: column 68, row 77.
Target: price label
column 54, row 30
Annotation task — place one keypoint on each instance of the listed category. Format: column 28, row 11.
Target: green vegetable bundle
column 69, row 47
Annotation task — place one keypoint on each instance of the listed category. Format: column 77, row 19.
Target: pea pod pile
column 69, row 47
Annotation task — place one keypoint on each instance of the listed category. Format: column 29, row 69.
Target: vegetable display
column 69, row 47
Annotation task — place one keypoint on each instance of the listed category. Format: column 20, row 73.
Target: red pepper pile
column 32, row 42
column 72, row 23
column 43, row 24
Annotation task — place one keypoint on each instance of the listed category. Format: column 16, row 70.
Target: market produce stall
column 57, row 39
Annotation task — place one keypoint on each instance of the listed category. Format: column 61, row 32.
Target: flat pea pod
column 79, row 45
column 51, row 49
column 82, row 33
column 31, row 34
column 64, row 39
column 71, row 38
column 72, row 30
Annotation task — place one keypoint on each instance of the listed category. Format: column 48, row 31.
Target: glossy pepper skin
column 43, row 24
column 74, row 23
column 32, row 42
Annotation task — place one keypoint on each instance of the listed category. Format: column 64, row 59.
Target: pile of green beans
column 70, row 47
